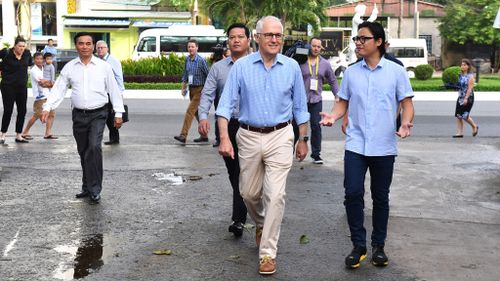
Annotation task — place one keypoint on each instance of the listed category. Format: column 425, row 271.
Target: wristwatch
column 303, row 138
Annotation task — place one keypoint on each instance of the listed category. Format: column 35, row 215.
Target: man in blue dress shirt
column 269, row 89
column 371, row 89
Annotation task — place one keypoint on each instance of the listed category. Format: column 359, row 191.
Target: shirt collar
column 93, row 60
column 380, row 64
column 256, row 57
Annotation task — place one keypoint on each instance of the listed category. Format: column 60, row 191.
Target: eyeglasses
column 269, row 36
column 361, row 39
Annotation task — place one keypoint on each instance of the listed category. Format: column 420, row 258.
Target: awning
column 143, row 23
column 96, row 22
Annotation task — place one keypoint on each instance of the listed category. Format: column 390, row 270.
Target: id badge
column 190, row 79
column 314, row 85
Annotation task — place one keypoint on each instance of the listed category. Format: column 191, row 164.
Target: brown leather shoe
column 267, row 265
column 258, row 235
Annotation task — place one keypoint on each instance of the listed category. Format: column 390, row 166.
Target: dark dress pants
column 88, row 129
column 381, row 170
column 233, row 169
column 114, row 134
column 10, row 95
column 314, row 110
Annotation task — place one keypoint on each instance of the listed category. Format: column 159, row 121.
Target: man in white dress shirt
column 91, row 79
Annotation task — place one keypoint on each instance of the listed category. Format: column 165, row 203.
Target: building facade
column 117, row 22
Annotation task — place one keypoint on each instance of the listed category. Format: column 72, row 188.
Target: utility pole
column 400, row 20
column 415, row 19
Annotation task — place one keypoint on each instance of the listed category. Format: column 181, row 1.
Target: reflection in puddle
column 87, row 257
column 171, row 178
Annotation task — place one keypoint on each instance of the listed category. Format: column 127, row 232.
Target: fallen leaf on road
column 248, row 226
column 235, row 257
column 304, row 239
column 162, row 252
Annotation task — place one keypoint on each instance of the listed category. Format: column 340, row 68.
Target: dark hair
column 238, row 25
column 19, row 39
column 467, row 62
column 50, row 39
column 377, row 30
column 314, row 38
column 47, row 55
column 193, row 41
column 37, row 54
column 80, row 34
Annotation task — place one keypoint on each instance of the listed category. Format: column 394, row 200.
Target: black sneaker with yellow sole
column 357, row 255
column 379, row 258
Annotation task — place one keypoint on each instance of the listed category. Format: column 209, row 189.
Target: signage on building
column 36, row 19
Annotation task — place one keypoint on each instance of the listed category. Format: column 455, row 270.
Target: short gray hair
column 101, row 42
column 260, row 23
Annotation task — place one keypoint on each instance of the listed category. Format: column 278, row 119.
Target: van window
column 205, row 43
column 147, row 44
column 408, row 52
column 177, row 44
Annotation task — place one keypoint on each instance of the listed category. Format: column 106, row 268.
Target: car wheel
column 411, row 72
column 339, row 72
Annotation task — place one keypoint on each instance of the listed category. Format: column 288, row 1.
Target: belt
column 90, row 110
column 265, row 130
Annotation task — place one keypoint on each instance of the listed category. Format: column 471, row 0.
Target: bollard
column 477, row 64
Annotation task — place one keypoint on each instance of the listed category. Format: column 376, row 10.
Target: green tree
column 471, row 21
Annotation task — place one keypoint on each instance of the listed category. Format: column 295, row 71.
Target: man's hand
column 326, row 119
column 118, row 122
column 44, row 117
column 405, row 130
column 301, row 150
column 226, row 148
column 203, row 127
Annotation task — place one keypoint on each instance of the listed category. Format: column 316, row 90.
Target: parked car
column 63, row 57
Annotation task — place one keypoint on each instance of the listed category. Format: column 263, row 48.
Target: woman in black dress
column 14, row 69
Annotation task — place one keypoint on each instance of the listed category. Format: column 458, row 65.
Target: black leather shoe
column 201, row 139
column 82, row 194
column 216, row 144
column 180, row 138
column 95, row 199
column 111, row 142
column 236, row 228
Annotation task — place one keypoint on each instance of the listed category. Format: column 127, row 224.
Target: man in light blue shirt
column 270, row 92
column 103, row 53
column 50, row 48
column 371, row 89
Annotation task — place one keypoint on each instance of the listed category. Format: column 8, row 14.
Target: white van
column 411, row 52
column 156, row 41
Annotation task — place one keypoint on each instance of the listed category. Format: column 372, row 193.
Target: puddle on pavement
column 86, row 257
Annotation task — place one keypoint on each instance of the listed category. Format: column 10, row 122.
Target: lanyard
column 310, row 67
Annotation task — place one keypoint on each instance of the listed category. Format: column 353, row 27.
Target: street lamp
column 477, row 64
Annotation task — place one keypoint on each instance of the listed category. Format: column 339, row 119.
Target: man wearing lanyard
column 103, row 53
column 90, row 79
column 314, row 72
column 194, row 76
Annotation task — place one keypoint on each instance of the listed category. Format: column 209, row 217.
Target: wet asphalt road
column 444, row 225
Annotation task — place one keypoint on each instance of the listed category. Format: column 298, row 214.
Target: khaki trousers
column 265, row 160
column 192, row 110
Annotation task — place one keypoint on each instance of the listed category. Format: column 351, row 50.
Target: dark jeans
column 114, row 134
column 11, row 95
column 233, row 169
column 314, row 109
column 88, row 129
column 381, row 170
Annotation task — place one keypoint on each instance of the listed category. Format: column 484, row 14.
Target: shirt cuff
column 202, row 116
column 46, row 107
column 118, row 115
column 222, row 112
column 301, row 117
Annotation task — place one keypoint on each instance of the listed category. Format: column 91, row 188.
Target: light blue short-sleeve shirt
column 374, row 96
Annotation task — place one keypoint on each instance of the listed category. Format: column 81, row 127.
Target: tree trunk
column 400, row 20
